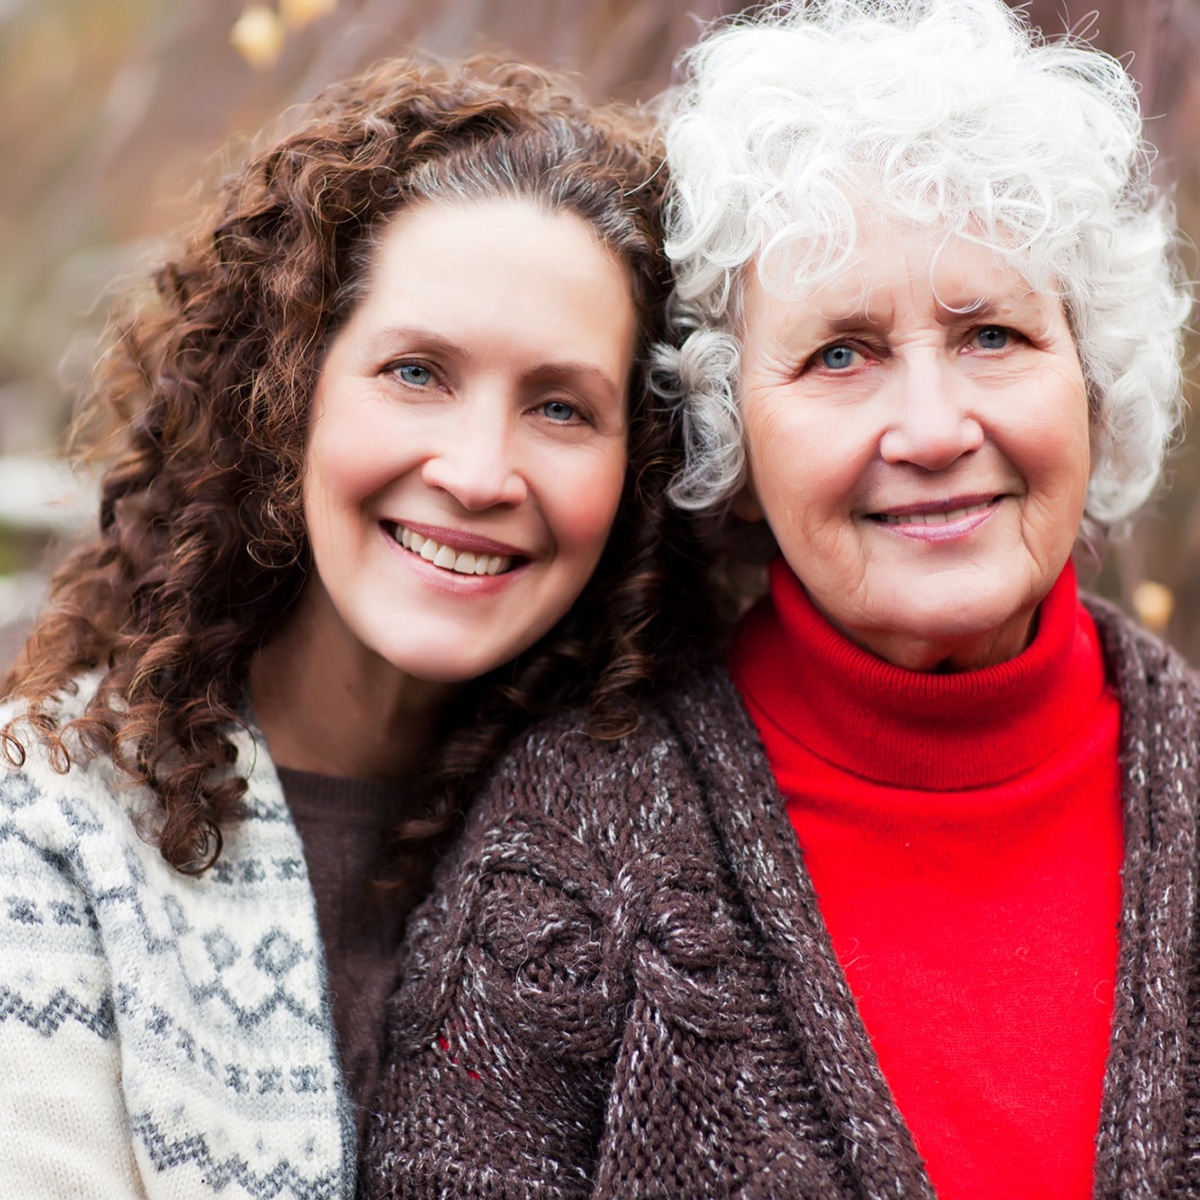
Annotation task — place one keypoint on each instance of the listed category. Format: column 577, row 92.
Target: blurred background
column 115, row 115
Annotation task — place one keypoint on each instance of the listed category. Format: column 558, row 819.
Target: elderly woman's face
column 918, row 441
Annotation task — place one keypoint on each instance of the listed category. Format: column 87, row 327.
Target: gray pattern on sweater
column 161, row 1035
column 622, row 986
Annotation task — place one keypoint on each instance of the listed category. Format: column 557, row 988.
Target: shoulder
column 562, row 802
column 62, row 792
column 574, row 849
column 601, row 793
column 558, row 765
column 77, row 835
column 1150, row 677
column 1159, row 698
column 55, row 797
column 51, row 821
column 48, row 770
column 81, row 862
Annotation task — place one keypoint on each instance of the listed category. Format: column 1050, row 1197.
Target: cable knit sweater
column 161, row 1035
column 622, row 985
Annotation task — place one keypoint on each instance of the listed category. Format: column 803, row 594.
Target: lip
column 936, row 507
column 462, row 539
column 938, row 520
column 451, row 583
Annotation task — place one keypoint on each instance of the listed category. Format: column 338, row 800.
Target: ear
column 745, row 504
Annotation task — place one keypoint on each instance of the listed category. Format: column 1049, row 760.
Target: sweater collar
column 909, row 728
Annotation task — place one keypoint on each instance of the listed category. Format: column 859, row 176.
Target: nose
column 475, row 460
column 930, row 423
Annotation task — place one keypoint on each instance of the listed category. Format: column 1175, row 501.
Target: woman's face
column 467, row 447
column 918, row 441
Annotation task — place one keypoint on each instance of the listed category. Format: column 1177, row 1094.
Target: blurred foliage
column 115, row 113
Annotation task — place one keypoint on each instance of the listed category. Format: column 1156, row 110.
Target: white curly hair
column 949, row 113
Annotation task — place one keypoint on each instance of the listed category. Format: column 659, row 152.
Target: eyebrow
column 978, row 308
column 983, row 307
column 384, row 338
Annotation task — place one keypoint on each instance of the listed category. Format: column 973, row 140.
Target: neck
column 328, row 704
column 946, row 655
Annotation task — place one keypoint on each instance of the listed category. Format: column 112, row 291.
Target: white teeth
column 462, row 562
column 934, row 518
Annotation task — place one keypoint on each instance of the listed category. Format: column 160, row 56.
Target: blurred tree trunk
column 113, row 112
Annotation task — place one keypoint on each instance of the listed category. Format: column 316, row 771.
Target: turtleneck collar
column 936, row 732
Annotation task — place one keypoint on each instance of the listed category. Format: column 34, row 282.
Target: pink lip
column 938, row 506
column 451, row 583
column 460, row 539
column 982, row 507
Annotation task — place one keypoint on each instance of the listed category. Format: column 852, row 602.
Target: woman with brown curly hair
column 383, row 482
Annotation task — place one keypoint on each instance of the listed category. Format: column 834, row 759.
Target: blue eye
column 993, row 337
column 414, row 374
column 559, row 411
column 839, row 357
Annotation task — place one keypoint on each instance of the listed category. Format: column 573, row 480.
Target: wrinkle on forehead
column 790, row 266
column 891, row 254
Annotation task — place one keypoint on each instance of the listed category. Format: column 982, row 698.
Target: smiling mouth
column 941, row 517
column 461, row 562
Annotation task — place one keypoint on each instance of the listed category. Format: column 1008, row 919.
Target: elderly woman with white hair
column 899, row 898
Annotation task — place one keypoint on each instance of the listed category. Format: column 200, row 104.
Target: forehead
column 890, row 263
column 462, row 229
column 484, row 257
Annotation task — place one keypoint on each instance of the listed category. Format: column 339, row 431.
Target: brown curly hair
column 200, row 410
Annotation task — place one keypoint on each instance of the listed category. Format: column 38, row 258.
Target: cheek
column 341, row 474
column 805, row 471
column 1057, row 454
column 328, row 475
column 351, row 454
column 583, row 505
column 1060, row 499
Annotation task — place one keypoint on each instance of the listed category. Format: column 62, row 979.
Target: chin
column 991, row 634
column 960, row 610
column 434, row 663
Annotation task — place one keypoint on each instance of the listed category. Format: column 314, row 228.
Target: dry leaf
column 298, row 13
column 257, row 36
column 1153, row 604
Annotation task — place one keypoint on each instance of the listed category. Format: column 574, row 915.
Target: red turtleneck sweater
column 963, row 833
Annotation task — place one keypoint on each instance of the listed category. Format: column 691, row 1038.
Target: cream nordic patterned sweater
column 161, row 1036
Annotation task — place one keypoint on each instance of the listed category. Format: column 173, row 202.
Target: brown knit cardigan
column 622, row 986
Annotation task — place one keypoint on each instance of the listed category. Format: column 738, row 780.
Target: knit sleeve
column 61, row 1106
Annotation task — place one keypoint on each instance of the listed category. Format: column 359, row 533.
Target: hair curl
column 947, row 113
column 200, row 408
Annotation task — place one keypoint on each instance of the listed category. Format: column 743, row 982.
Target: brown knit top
column 622, row 986
column 345, row 825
